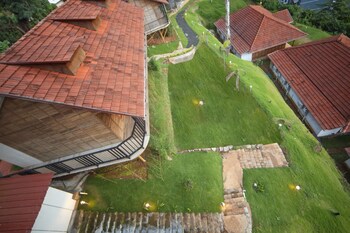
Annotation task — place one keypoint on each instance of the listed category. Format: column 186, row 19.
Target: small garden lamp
column 83, row 203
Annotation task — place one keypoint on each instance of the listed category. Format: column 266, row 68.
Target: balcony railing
column 121, row 152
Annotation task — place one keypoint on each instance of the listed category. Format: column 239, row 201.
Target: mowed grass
column 164, row 187
column 212, row 10
column 166, row 193
column 227, row 117
column 162, row 48
column 313, row 34
column 280, row 208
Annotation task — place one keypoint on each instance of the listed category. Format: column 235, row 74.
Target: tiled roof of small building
column 254, row 28
column 319, row 73
column 109, row 57
column 284, row 15
column 21, row 198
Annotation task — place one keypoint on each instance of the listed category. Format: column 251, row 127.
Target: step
column 186, row 222
column 150, row 222
column 204, row 222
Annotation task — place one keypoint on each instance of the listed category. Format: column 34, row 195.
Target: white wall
column 17, row 157
column 55, row 213
column 315, row 126
column 247, row 56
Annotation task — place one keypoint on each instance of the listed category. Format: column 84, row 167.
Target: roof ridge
column 331, row 39
column 257, row 33
column 315, row 86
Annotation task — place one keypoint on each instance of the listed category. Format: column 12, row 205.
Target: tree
column 18, row 16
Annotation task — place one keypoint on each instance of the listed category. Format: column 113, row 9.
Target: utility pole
column 228, row 34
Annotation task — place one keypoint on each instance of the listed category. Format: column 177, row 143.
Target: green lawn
column 313, row 34
column 162, row 48
column 165, row 186
column 212, row 10
column 166, row 192
column 228, row 116
column 279, row 208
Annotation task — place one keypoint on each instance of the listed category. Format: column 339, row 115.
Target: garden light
column 297, row 187
column 201, row 102
column 83, row 203
column 222, row 206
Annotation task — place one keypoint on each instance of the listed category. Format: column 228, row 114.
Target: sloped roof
column 319, row 73
column 111, row 75
column 21, row 198
column 284, row 15
column 254, row 28
column 161, row 1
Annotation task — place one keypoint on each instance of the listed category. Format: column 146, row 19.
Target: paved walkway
column 237, row 214
column 189, row 33
column 154, row 222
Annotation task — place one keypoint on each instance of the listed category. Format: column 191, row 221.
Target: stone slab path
column 94, row 222
column 237, row 214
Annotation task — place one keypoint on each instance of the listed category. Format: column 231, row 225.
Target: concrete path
column 237, row 214
column 189, row 33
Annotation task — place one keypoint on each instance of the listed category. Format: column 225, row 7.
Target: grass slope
column 280, row 209
column 227, row 116
column 168, row 193
column 162, row 48
column 313, row 34
column 212, row 10
column 164, row 188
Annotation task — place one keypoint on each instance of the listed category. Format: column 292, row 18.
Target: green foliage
column 333, row 18
column 259, row 187
column 162, row 136
column 188, row 184
column 18, row 16
column 4, row 45
column 153, row 65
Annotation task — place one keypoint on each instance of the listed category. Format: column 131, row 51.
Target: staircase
column 234, row 203
column 86, row 221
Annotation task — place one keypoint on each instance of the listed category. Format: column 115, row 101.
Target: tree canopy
column 334, row 17
column 18, row 16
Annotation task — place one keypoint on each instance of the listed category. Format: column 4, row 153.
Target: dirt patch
column 135, row 169
column 157, row 41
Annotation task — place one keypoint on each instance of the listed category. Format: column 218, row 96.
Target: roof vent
column 59, row 54
column 80, row 14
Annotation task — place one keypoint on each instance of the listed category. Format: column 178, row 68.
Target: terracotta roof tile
column 254, row 28
column 114, row 60
column 21, row 198
column 77, row 10
column 319, row 73
column 284, row 15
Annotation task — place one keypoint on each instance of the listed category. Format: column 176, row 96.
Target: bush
column 188, row 184
column 153, row 65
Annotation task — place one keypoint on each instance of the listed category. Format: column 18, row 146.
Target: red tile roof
column 80, row 10
column 21, row 198
column 254, row 28
column 161, row 1
column 111, row 77
column 284, row 15
column 319, row 73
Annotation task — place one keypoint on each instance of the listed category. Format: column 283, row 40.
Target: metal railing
column 66, row 166
column 159, row 23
